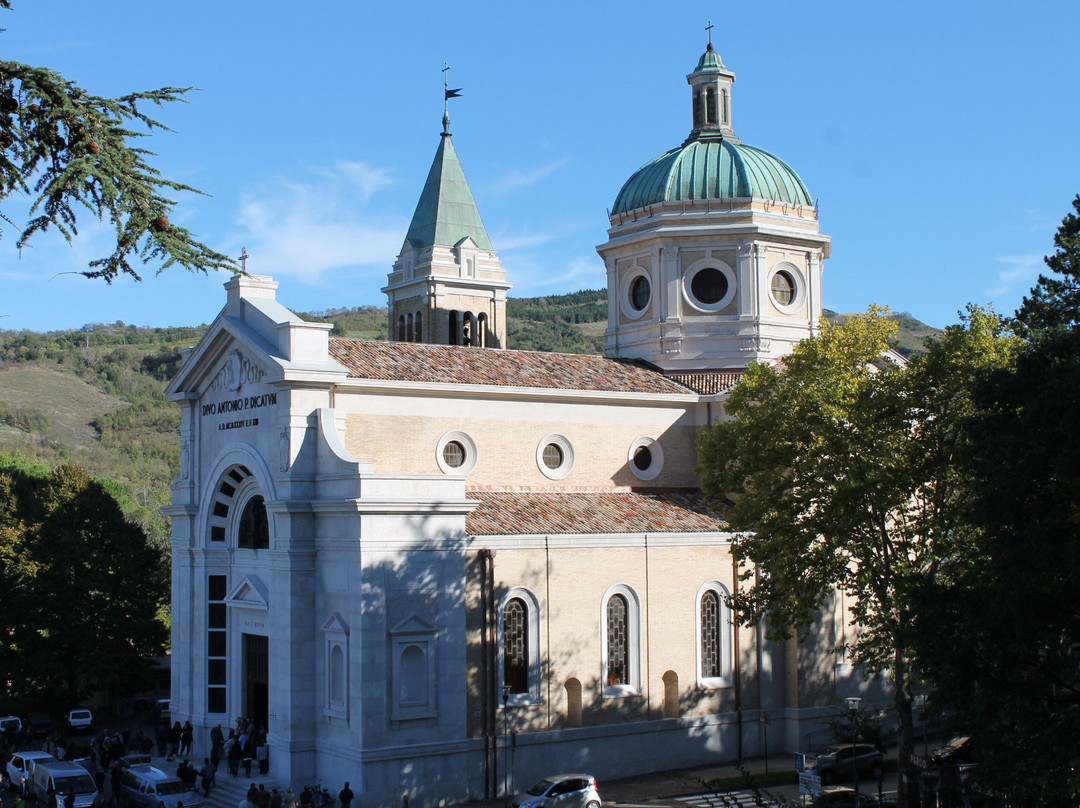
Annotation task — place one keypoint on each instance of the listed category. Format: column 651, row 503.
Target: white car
column 80, row 719
column 561, row 791
column 21, row 765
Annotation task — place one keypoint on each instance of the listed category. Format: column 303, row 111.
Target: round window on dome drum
column 709, row 286
column 783, row 288
column 640, row 293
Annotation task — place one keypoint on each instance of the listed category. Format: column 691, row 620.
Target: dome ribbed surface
column 712, row 169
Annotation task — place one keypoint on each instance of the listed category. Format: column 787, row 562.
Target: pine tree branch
column 73, row 152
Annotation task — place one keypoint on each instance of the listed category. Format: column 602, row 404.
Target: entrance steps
column 229, row 791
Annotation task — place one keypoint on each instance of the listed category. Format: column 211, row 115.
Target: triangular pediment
column 336, row 625
column 413, row 624
column 250, row 593
column 225, row 359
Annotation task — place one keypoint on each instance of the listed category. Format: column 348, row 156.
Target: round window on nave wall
column 456, row 453
column 645, row 458
column 555, row 457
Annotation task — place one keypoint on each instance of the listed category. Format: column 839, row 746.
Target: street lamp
column 853, row 706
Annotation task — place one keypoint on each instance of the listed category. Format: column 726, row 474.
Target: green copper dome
column 712, row 164
column 713, row 168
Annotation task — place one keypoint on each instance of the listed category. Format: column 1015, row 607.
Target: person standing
column 233, row 754
column 345, row 796
column 208, row 772
column 275, row 799
column 217, row 741
column 262, row 755
column 262, row 797
column 187, row 733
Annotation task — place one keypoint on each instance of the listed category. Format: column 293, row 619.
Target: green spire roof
column 446, row 213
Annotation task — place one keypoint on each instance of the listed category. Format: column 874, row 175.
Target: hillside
column 96, row 396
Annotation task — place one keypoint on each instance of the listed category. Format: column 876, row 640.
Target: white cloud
column 516, row 180
column 533, row 278
column 1021, row 273
column 308, row 229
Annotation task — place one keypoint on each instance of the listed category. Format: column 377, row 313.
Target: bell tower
column 447, row 286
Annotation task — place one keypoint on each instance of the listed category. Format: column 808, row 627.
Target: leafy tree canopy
column 67, row 150
column 840, row 466
column 1010, row 668
column 82, row 587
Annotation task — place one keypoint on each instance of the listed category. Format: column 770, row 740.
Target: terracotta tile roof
column 504, row 513
column 708, row 383
column 451, row 364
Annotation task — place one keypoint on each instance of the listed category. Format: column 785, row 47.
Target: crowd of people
column 106, row 754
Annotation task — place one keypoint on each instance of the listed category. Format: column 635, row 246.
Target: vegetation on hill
column 557, row 322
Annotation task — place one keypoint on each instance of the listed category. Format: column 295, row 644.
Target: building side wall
column 569, row 579
column 507, row 436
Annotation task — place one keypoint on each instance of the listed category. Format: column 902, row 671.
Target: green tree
column 1010, row 670
column 1053, row 305
column 67, row 150
column 839, row 468
column 82, row 586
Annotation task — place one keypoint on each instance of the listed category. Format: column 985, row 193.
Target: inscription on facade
column 241, row 404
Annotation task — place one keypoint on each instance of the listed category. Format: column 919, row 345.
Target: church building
column 441, row 568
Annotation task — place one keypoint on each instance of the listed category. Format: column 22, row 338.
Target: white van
column 149, row 786
column 21, row 765
column 50, row 782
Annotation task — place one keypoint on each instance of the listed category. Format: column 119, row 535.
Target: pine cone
column 160, row 224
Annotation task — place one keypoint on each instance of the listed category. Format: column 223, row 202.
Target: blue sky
column 939, row 138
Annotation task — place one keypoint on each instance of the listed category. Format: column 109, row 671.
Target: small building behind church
column 440, row 568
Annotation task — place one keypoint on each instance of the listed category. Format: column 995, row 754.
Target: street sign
column 809, row 783
column 800, row 762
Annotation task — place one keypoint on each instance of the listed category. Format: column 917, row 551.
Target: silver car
column 561, row 791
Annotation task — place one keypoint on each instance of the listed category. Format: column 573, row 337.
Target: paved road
column 748, row 799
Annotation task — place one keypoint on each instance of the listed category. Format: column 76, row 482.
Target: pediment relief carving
column 236, row 371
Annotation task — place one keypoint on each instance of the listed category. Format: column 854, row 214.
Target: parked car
column 39, row 725
column 80, row 719
column 162, row 711
column 21, row 765
column 561, row 791
column 135, row 759
column 10, row 723
column 835, row 763
column 149, row 786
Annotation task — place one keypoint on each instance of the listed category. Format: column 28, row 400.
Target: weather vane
column 447, row 95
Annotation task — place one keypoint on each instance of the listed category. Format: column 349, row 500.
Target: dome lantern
column 710, row 86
